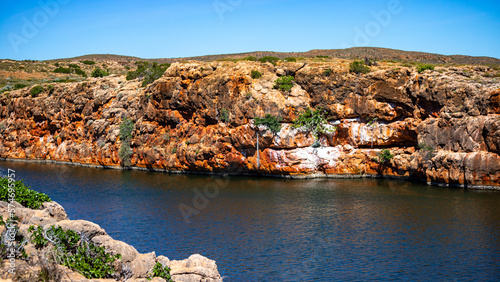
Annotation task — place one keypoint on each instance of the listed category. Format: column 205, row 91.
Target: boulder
column 196, row 268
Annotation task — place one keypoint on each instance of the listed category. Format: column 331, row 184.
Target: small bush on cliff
column 21, row 193
column 271, row 122
column 313, row 120
column 36, row 90
column 126, row 129
column 98, row 72
column 358, row 67
column 255, row 74
column 224, row 115
column 75, row 251
column 149, row 72
column 290, row 59
column 427, row 149
column 160, row 271
column 88, row 62
column 424, row 67
column 284, row 83
column 384, row 156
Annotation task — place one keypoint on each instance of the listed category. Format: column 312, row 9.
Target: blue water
column 260, row 229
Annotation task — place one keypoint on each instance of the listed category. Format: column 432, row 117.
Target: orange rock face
column 438, row 126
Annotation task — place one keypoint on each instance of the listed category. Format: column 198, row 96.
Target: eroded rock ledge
column 196, row 268
column 441, row 125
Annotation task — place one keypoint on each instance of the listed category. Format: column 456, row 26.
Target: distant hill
column 350, row 53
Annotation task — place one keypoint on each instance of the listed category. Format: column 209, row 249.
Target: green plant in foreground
column 313, row 120
column 23, row 194
column 255, row 74
column 160, row 271
column 358, row 67
column 271, row 122
column 75, row 252
column 284, row 83
column 384, row 156
column 272, row 60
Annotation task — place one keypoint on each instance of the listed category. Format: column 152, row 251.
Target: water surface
column 260, row 229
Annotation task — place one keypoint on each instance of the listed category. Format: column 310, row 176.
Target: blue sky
column 50, row 29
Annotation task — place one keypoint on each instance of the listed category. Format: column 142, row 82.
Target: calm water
column 280, row 230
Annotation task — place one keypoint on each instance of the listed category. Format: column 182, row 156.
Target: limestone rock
column 195, row 269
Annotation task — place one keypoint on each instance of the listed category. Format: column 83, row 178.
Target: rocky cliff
column 440, row 125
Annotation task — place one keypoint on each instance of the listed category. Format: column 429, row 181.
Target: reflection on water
column 280, row 230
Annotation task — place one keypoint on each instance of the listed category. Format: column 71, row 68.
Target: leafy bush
column 36, row 90
column 224, row 115
column 250, row 58
column 424, row 67
column 98, row 72
column 384, row 156
column 428, row 150
column 126, row 129
column 327, row 72
column 75, row 252
column 322, row 57
column 148, row 72
column 284, row 83
column 255, row 74
column 81, row 72
column 271, row 122
column 358, row 67
column 314, row 121
column 88, row 62
column 290, row 59
column 62, row 70
column 160, row 271
column 272, row 60
column 22, row 193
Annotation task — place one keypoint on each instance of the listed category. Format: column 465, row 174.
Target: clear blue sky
column 50, row 29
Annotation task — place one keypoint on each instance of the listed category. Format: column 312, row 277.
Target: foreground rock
column 442, row 125
column 132, row 266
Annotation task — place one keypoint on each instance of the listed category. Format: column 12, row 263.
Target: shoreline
column 289, row 177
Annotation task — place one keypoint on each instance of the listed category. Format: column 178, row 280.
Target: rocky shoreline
column 132, row 266
column 438, row 126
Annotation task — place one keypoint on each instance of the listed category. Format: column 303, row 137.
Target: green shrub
column 255, row 74
column 81, row 72
column 314, row 121
column 250, row 58
column 148, row 72
column 22, row 193
column 62, row 70
column 424, row 67
column 358, row 67
column 98, row 72
column 88, row 62
column 322, row 57
column 125, row 152
column 271, row 122
column 284, row 83
column 327, row 72
column 160, row 271
column 224, row 115
column 36, row 90
column 427, row 149
column 384, row 156
column 272, row 60
column 290, row 59
column 74, row 66
column 75, row 252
